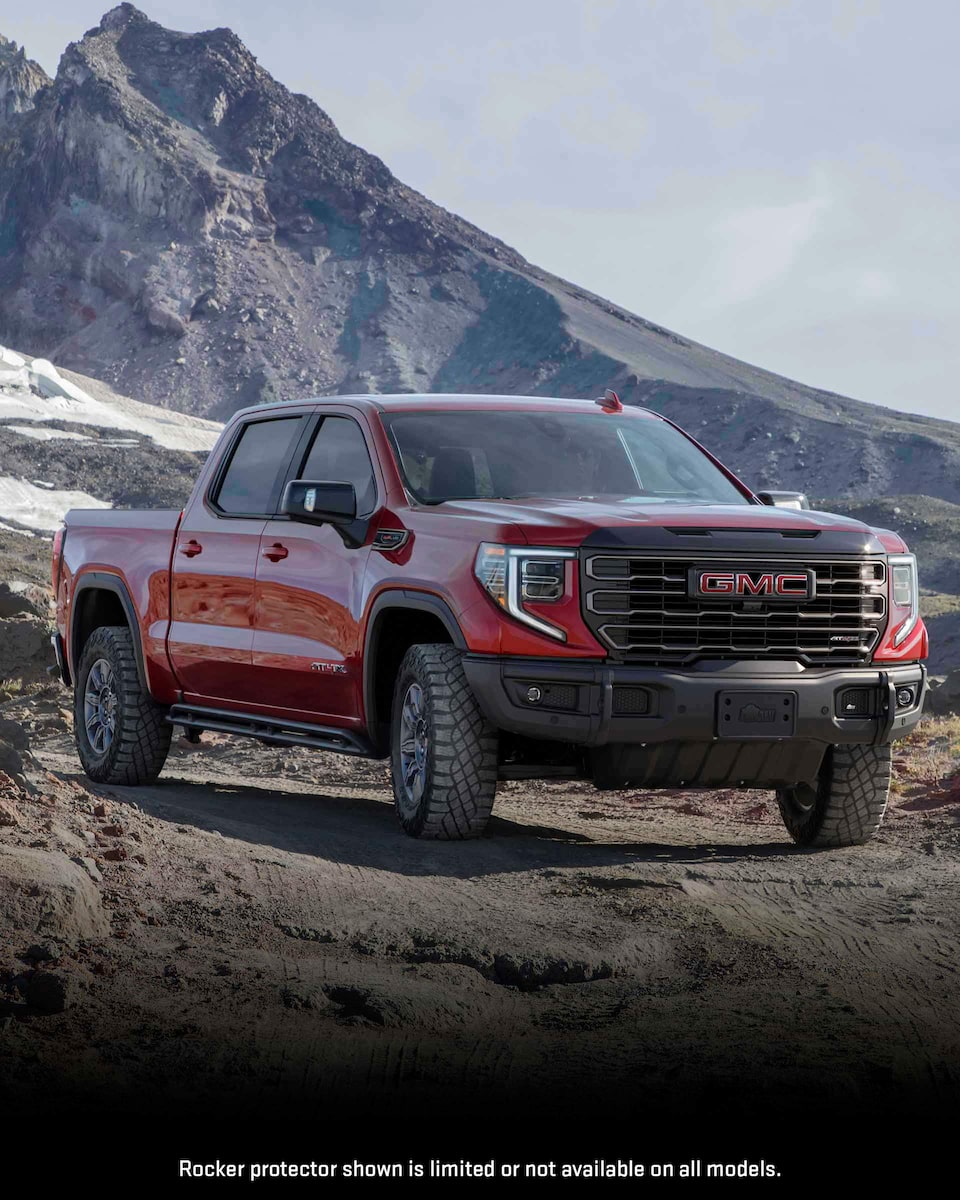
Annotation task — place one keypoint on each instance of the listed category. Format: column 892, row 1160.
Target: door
column 215, row 564
column 306, row 647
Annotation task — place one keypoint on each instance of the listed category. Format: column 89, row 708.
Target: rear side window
column 339, row 455
column 250, row 481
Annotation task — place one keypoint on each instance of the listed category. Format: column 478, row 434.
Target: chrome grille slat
column 640, row 608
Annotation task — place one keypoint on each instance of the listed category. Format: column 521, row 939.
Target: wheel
column 443, row 753
column 122, row 735
column 846, row 805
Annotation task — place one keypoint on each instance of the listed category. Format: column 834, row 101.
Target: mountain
column 175, row 222
column 20, row 80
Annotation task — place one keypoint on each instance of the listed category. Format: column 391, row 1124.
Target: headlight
column 904, row 595
column 517, row 575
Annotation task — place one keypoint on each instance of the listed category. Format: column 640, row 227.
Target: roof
column 440, row 401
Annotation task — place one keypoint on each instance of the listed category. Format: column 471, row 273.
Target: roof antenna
column 610, row 402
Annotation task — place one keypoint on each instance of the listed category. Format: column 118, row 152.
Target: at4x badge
column 329, row 668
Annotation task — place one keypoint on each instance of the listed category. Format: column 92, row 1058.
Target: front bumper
column 690, row 705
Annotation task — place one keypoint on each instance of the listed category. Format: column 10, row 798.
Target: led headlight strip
column 904, row 593
column 503, row 573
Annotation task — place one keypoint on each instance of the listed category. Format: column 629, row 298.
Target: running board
column 273, row 732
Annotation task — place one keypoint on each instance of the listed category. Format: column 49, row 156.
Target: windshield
column 504, row 455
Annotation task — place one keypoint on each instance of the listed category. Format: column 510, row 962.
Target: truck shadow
column 362, row 831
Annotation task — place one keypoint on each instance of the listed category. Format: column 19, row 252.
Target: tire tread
column 462, row 780
column 142, row 741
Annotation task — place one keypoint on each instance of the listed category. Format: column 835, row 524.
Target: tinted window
column 528, row 454
column 262, row 451
column 339, row 455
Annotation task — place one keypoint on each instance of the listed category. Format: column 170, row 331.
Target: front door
column 306, row 648
column 215, row 563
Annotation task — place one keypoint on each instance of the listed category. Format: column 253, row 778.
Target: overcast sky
column 776, row 178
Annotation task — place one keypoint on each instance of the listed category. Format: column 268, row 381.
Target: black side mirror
column 784, row 499
column 319, row 503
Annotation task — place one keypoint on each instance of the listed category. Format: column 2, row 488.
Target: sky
column 777, row 179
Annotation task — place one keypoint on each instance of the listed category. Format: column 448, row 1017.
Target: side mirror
column 784, row 499
column 319, row 503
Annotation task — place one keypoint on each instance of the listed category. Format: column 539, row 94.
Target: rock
column 50, row 991
column 25, row 650
column 8, row 814
column 11, row 764
column 44, row 894
column 20, row 80
column 91, row 869
column 944, row 695
column 42, row 952
column 302, row 996
column 163, row 321
column 16, row 604
column 115, row 854
column 13, row 733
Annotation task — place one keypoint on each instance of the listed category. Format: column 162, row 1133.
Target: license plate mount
column 764, row 715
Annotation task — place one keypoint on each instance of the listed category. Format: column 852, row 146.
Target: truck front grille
column 642, row 610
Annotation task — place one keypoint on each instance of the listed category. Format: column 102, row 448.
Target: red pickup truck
column 487, row 588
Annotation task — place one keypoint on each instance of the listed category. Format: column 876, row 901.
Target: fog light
column 904, row 697
column 533, row 695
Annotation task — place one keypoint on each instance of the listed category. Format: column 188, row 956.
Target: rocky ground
column 253, row 930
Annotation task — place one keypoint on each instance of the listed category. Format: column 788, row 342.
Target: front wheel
column 443, row 752
column 845, row 806
column 122, row 735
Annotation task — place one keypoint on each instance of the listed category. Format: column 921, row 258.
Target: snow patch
column 36, row 391
column 50, row 435
column 13, row 529
column 35, row 508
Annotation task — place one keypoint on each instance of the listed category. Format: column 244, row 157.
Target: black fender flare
column 106, row 581
column 398, row 598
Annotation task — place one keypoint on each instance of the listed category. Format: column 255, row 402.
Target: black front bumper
column 580, row 701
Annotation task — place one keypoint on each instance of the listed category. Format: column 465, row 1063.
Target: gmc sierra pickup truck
column 486, row 588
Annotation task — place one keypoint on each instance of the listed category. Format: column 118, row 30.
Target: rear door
column 215, row 563
column 306, row 648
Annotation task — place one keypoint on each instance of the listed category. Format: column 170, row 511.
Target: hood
column 570, row 522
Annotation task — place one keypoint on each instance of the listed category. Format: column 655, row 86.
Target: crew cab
column 495, row 587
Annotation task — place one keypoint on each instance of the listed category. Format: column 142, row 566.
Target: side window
column 248, row 486
column 339, row 454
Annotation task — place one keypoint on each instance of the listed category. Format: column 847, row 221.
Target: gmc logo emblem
column 774, row 583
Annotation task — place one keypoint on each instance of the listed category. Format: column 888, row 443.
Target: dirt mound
column 944, row 695
column 25, row 650
column 45, row 895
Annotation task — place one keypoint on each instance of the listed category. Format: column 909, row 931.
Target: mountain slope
column 175, row 222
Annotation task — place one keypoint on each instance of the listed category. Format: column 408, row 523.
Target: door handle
column 276, row 552
column 191, row 548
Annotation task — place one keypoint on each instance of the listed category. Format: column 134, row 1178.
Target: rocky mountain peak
column 20, row 79
column 176, row 222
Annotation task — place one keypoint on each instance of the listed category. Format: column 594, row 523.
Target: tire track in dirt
column 677, row 939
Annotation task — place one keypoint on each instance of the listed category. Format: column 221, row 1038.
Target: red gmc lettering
column 746, row 583
column 791, row 585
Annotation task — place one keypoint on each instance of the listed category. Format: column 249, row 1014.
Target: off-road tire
column 141, row 739
column 460, row 764
column 846, row 806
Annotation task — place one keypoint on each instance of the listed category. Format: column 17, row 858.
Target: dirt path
column 273, row 935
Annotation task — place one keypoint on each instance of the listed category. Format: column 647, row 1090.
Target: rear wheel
column 443, row 752
column 845, row 806
column 122, row 735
